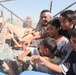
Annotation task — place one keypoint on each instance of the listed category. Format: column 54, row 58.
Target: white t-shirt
column 62, row 42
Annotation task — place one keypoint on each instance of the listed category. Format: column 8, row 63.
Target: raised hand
column 36, row 59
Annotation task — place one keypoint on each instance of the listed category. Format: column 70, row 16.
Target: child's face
column 65, row 24
column 43, row 50
column 73, row 43
column 52, row 30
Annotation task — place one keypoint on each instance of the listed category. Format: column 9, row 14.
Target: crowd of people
column 50, row 48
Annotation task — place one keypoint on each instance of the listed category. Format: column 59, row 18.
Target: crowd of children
column 67, row 22
column 56, row 50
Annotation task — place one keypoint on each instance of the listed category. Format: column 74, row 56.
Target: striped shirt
column 68, row 65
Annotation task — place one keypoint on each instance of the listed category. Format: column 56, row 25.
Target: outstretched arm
column 24, row 54
column 11, row 35
column 34, row 36
column 40, row 60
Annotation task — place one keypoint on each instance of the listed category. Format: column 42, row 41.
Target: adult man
column 45, row 17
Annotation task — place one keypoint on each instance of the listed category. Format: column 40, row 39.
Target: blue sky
column 33, row 8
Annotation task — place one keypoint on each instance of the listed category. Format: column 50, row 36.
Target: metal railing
column 65, row 9
column 28, row 23
column 16, row 16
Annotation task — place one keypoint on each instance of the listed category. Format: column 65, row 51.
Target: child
column 47, row 48
column 68, row 65
column 67, row 22
column 53, row 28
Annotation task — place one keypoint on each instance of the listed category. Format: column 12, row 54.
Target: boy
column 53, row 28
column 67, row 22
column 47, row 48
column 68, row 65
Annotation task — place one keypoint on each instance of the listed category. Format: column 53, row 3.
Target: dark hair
column 75, row 12
column 69, row 14
column 75, row 16
column 50, row 43
column 55, row 22
column 43, row 11
column 73, row 33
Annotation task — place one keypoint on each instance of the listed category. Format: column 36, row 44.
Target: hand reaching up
column 36, row 59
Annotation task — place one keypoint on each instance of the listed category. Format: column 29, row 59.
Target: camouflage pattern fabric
column 7, row 53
